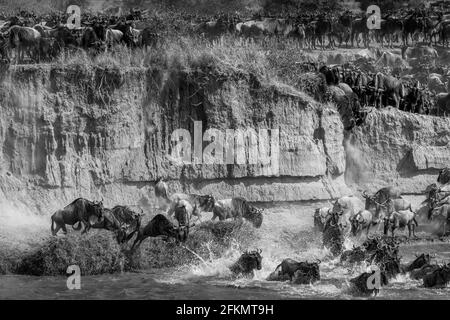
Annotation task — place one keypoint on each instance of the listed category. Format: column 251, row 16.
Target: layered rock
column 96, row 132
column 103, row 132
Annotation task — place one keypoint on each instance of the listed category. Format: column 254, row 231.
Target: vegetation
column 98, row 252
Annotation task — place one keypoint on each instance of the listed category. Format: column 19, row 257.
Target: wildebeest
column 362, row 220
column 90, row 39
column 247, row 263
column 198, row 202
column 360, row 283
column 112, row 37
column 333, row 235
column 237, row 208
column 212, row 29
column 24, row 40
column 111, row 223
column 158, row 226
column 359, row 27
column 418, row 274
column 80, row 210
column 442, row 214
column 437, row 278
column 390, row 28
column 320, row 218
column 392, row 88
column 297, row 272
column 129, row 220
column 348, row 207
column 418, row 263
column 182, row 215
column 400, row 219
column 380, row 197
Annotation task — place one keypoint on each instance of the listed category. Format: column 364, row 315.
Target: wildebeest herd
column 331, row 29
column 125, row 222
column 410, row 79
column 349, row 216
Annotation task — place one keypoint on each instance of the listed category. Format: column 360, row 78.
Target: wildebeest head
column 96, row 209
column 249, row 261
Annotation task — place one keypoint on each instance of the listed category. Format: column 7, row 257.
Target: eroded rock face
column 398, row 148
column 75, row 131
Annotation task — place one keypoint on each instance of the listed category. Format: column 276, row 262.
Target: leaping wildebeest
column 199, row 203
column 237, row 208
column 158, row 226
column 80, row 210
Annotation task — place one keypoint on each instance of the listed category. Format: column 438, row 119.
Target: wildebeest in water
column 247, row 263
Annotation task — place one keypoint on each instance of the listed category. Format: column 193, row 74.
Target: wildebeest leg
column 63, row 227
column 55, row 231
column 86, row 225
column 136, row 242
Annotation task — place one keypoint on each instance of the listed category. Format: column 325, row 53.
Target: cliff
column 74, row 130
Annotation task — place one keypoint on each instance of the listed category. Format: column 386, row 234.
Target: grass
column 95, row 253
column 272, row 55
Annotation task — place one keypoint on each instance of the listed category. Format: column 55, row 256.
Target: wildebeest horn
column 318, row 261
column 364, row 194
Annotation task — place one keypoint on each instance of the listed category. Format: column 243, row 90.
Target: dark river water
column 211, row 278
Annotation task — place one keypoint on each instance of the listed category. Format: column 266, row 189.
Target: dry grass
column 98, row 252
column 272, row 58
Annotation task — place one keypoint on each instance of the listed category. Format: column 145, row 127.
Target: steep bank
column 78, row 131
column 398, row 148
column 74, row 130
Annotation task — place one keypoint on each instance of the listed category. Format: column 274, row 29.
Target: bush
column 98, row 252
column 95, row 253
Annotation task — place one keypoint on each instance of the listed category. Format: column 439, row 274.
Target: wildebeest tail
column 52, row 227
